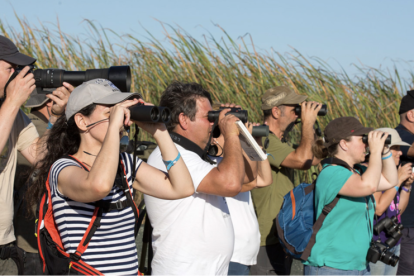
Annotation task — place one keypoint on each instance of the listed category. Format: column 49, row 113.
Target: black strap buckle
column 75, row 256
column 119, row 205
column 326, row 210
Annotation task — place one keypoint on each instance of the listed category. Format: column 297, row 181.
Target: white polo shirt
column 246, row 227
column 193, row 235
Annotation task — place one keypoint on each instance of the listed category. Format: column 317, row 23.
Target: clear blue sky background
column 374, row 33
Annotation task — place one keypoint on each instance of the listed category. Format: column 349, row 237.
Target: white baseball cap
column 96, row 91
column 395, row 137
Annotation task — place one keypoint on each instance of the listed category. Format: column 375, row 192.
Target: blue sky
column 374, row 33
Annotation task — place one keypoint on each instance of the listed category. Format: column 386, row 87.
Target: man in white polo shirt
column 195, row 235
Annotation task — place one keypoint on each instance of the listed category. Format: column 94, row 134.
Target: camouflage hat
column 280, row 95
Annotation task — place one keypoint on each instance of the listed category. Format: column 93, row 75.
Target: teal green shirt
column 344, row 238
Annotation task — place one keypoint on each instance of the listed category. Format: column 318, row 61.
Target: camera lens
column 389, row 258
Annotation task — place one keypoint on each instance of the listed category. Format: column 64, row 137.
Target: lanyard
column 370, row 229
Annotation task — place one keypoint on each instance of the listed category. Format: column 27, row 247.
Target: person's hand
column 151, row 128
column 19, row 89
column 409, row 181
column 227, row 124
column 404, row 173
column 230, row 105
column 60, row 98
column 376, row 141
column 120, row 115
column 309, row 112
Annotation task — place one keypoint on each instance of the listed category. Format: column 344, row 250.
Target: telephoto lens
column 239, row 113
column 321, row 112
column 120, row 76
column 365, row 139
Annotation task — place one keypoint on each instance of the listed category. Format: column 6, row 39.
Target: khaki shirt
column 24, row 226
column 268, row 200
column 22, row 135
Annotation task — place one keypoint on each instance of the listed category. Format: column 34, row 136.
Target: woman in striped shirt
column 90, row 133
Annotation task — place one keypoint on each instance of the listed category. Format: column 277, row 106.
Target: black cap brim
column 19, row 59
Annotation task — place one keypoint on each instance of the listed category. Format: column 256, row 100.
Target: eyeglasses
column 97, row 122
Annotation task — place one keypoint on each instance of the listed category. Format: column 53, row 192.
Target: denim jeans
column 324, row 270
column 379, row 268
column 406, row 263
column 238, row 269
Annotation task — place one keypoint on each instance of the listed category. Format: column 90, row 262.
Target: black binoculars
column 365, row 139
column 150, row 113
column 238, row 112
column 321, row 112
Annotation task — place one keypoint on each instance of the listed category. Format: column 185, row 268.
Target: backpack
column 296, row 222
column 52, row 253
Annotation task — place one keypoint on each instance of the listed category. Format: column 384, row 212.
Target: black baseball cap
column 407, row 102
column 10, row 53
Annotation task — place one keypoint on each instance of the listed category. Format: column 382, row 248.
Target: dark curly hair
column 63, row 139
column 182, row 98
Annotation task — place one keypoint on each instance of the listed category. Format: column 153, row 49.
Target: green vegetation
column 229, row 69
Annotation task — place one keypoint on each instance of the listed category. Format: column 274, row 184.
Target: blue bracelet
column 49, row 125
column 396, row 188
column 386, row 157
column 268, row 154
column 169, row 164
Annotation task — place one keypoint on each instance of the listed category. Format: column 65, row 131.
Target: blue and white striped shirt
column 112, row 248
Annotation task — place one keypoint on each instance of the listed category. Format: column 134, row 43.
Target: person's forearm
column 250, row 169
column 104, row 168
column 304, row 150
column 384, row 201
column 178, row 174
column 264, row 174
column 8, row 114
column 389, row 170
column 232, row 165
column 404, row 199
column 372, row 175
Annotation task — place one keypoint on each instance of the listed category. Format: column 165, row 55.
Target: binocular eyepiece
column 150, row 113
column 120, row 76
column 321, row 112
column 365, row 139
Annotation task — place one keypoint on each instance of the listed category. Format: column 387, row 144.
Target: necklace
column 89, row 153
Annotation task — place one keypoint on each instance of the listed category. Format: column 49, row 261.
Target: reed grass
column 232, row 70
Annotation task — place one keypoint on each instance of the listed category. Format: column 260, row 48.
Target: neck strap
column 191, row 146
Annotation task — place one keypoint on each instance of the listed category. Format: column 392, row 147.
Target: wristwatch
column 405, row 189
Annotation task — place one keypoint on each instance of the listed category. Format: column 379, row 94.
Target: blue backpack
column 296, row 222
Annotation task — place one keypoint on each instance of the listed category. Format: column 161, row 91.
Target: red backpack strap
column 90, row 231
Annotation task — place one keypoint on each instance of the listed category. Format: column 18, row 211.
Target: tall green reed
column 233, row 71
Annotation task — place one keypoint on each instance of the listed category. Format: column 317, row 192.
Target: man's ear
column 410, row 116
column 276, row 112
column 80, row 121
column 183, row 120
column 343, row 145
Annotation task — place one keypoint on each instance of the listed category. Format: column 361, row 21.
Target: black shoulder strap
column 128, row 194
column 146, row 248
column 325, row 211
column 317, row 226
